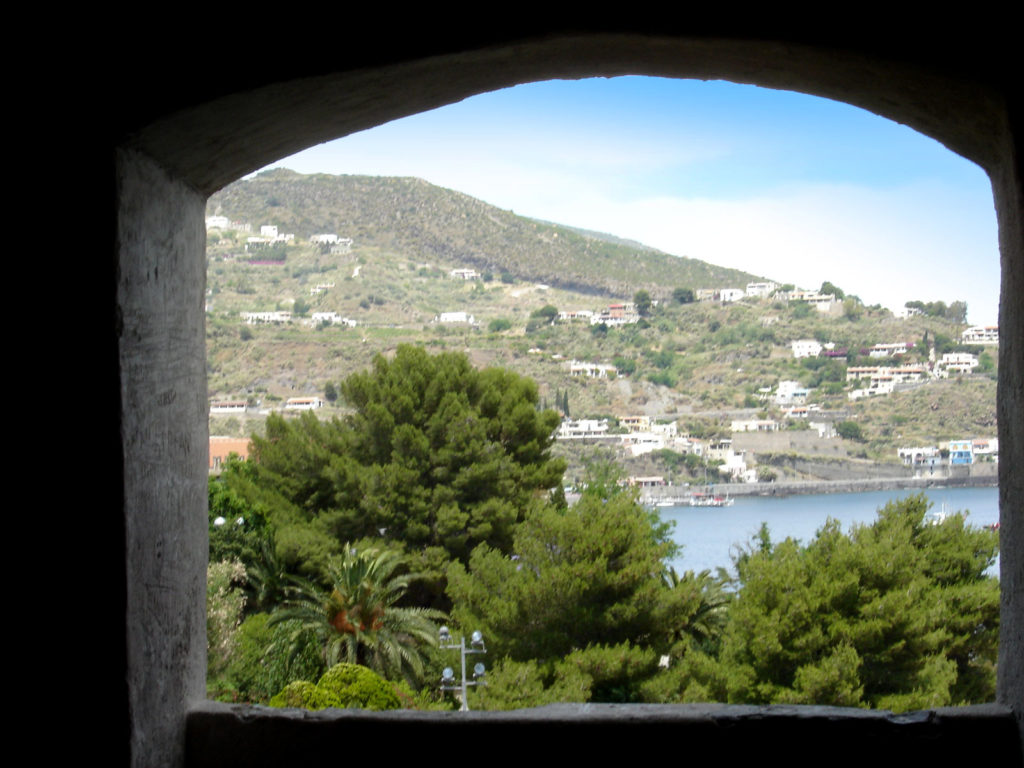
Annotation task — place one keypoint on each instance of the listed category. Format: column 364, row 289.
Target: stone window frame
column 166, row 169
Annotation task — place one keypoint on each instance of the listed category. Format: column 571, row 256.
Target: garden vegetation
column 437, row 499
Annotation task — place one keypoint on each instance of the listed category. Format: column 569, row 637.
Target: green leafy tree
column 642, row 300
column 260, row 663
column 899, row 614
column 520, row 684
column 827, row 288
column 800, row 309
column 683, row 295
column 436, row 457
column 850, row 430
column 853, row 310
column 330, row 392
column 237, row 528
column 547, row 313
column 357, row 619
column 957, row 312
column 589, row 574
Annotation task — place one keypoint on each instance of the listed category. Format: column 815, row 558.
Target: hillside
column 430, row 223
column 700, row 364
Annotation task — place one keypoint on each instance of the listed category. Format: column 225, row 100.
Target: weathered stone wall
column 783, row 441
column 1008, row 188
column 160, row 285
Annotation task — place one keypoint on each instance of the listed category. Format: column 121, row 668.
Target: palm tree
column 357, row 619
column 701, row 604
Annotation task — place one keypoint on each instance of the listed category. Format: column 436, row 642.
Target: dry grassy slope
column 429, row 223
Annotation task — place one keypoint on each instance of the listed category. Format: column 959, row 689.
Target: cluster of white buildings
column 823, row 302
column 958, row 453
column 883, row 380
column 644, row 436
column 338, row 245
column 623, row 313
column 283, row 316
column 270, row 235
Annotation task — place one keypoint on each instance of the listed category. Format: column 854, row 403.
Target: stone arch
column 176, row 147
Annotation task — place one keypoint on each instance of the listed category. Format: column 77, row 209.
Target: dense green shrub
column 303, row 694
column 344, row 686
column 261, row 663
column 520, row 684
column 358, row 687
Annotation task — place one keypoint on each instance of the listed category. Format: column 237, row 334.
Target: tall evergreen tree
column 895, row 615
column 437, row 457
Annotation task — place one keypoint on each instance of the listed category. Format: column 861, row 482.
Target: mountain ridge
column 426, row 221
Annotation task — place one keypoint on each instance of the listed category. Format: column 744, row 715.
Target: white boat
column 699, row 499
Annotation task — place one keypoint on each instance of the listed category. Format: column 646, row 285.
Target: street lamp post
column 448, row 682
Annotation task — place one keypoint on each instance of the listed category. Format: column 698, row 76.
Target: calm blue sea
column 709, row 535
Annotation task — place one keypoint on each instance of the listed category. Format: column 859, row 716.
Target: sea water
column 710, row 536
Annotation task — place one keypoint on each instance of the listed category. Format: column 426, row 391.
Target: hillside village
column 755, row 382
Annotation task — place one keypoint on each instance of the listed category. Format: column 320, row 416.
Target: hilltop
column 430, row 223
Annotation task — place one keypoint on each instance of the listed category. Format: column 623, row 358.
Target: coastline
column 982, row 475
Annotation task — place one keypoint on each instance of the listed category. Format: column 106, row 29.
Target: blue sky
column 793, row 187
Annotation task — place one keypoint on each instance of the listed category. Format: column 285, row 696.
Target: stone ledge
column 228, row 735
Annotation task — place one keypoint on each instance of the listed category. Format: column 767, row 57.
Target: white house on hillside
column 455, row 317
column 761, row 290
column 956, row 362
column 218, row 222
column 581, row 429
column 889, row 349
column 806, row 348
column 791, row 393
column 303, row 403
column 981, row 334
column 594, row 370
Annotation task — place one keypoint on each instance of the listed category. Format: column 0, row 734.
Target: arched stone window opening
column 166, row 170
